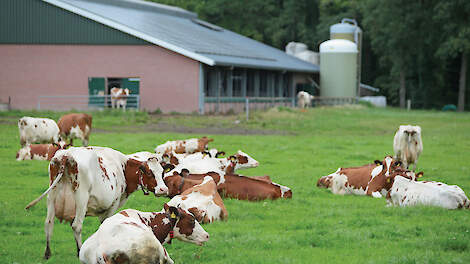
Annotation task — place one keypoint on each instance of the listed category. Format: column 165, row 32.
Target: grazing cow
column 203, row 201
column 40, row 151
column 37, row 130
column 304, row 99
column 365, row 180
column 91, row 181
column 119, row 97
column 406, row 192
column 119, row 236
column 184, row 146
column 407, row 145
column 75, row 126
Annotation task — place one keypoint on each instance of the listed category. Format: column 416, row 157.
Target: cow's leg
column 49, row 224
column 85, row 142
column 81, row 202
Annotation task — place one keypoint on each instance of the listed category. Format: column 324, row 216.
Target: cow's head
column 244, row 161
column 142, row 174
column 61, row 144
column 175, row 182
column 186, row 228
column 388, row 166
column 202, row 143
column 157, row 170
column 170, row 157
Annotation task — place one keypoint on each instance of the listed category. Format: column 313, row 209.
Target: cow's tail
column 54, row 183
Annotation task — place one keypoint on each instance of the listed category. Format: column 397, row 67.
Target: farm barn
column 64, row 54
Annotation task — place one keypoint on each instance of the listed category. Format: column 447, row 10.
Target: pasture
column 295, row 148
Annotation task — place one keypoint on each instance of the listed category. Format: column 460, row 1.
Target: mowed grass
column 314, row 226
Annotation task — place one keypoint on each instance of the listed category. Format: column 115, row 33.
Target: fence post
column 138, row 102
column 247, row 108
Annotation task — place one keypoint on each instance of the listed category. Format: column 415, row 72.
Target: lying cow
column 304, row 99
column 75, row 126
column 408, row 145
column 406, row 192
column 92, row 181
column 203, row 201
column 133, row 236
column 365, row 180
column 119, row 97
column 37, row 130
column 184, row 146
column 40, row 151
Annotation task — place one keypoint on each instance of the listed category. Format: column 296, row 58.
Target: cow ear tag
column 233, row 158
column 388, row 180
column 172, row 216
column 167, row 170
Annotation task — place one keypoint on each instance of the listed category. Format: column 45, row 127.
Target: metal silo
column 338, row 68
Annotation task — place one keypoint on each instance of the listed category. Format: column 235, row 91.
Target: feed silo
column 338, row 68
column 348, row 29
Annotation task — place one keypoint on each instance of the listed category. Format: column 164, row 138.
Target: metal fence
column 227, row 105
column 325, row 101
column 82, row 102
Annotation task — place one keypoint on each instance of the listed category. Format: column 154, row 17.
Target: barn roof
column 181, row 31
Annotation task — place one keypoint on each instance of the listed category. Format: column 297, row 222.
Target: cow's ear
column 233, row 158
column 166, row 207
column 398, row 163
column 174, row 214
column 378, row 162
column 168, row 167
column 184, row 173
column 55, row 144
column 220, row 153
column 420, row 174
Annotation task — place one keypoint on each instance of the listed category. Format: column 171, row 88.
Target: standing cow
column 40, row 151
column 92, row 182
column 407, row 145
column 119, row 97
column 77, row 125
column 37, row 130
column 304, row 99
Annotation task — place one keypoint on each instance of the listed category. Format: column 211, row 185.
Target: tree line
column 416, row 50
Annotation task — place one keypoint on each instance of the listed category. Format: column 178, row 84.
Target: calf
column 203, row 201
column 134, row 229
column 40, row 151
column 364, row 180
column 119, row 97
column 184, row 146
column 304, row 99
column 37, row 130
column 406, row 192
column 408, row 145
column 91, row 182
column 75, row 126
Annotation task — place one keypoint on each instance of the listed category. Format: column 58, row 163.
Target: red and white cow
column 184, row 146
column 91, row 181
column 365, row 180
column 75, row 125
column 304, row 99
column 119, row 97
column 203, row 201
column 408, row 145
column 154, row 162
column 40, row 151
column 130, row 235
column 406, row 192
column 37, row 130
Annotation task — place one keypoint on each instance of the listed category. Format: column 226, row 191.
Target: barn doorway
column 99, row 90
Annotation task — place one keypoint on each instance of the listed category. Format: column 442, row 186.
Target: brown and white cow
column 37, row 130
column 91, row 181
column 203, row 201
column 119, row 97
column 408, row 145
column 75, row 125
column 304, row 99
column 184, row 146
column 40, row 151
column 130, row 235
column 365, row 180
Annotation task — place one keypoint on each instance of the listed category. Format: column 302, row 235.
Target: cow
column 304, row 99
column 406, row 192
column 155, row 166
column 37, row 130
column 91, row 181
column 203, row 201
column 135, row 229
column 408, row 145
column 75, row 125
column 119, row 97
column 184, row 146
column 364, row 180
column 40, row 151
column 231, row 185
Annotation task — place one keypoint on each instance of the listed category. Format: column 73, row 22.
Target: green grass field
column 296, row 148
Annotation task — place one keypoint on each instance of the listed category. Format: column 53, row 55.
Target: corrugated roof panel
column 178, row 30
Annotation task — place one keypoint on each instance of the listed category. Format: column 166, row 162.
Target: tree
column 454, row 18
